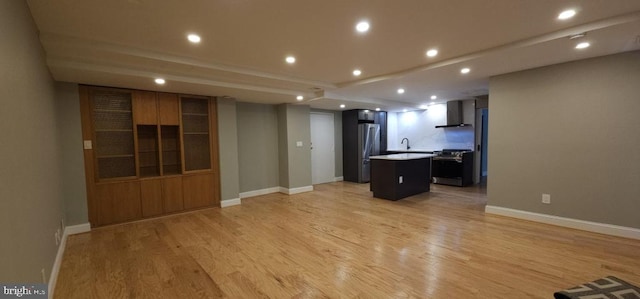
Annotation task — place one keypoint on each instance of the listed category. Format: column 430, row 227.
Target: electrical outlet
column 546, row 198
column 400, row 180
column 44, row 276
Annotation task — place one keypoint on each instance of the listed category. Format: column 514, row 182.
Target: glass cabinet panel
column 113, row 129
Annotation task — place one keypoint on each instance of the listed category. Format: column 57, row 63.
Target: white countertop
column 404, row 150
column 402, row 157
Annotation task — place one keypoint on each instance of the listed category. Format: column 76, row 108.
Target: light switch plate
column 546, row 198
column 87, row 144
column 299, row 143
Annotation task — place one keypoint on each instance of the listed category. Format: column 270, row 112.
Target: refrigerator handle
column 372, row 134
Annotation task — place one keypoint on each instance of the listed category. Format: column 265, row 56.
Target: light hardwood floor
column 339, row 242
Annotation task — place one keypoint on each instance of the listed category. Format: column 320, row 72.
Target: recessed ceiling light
column 400, row 90
column 342, row 106
column 567, row 14
column 290, row 59
column 377, row 109
column 583, row 45
column 465, row 70
column 432, row 53
column 357, row 72
column 433, row 97
column 299, row 98
column 362, row 26
column 194, row 38
column 160, row 81
column 366, row 111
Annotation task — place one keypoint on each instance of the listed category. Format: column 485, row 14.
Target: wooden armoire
column 148, row 153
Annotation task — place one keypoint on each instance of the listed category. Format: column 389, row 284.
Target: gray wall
column 283, row 149
column 228, row 149
column 337, row 133
column 257, row 146
column 337, row 122
column 69, row 136
column 569, row 130
column 295, row 162
column 31, row 204
column 299, row 129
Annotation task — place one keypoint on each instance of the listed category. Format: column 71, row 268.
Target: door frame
column 481, row 103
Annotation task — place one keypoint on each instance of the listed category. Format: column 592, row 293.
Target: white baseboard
column 236, row 201
column 338, row 179
column 69, row 230
column 259, row 192
column 230, row 202
column 296, row 190
column 274, row 190
column 77, row 229
column 602, row 228
column 53, row 277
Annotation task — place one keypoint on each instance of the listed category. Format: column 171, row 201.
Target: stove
column 452, row 154
column 453, row 167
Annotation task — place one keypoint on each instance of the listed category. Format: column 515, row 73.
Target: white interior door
column 322, row 148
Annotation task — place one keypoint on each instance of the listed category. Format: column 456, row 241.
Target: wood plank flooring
column 339, row 242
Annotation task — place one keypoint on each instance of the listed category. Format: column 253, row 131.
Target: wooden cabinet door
column 151, row 198
column 169, row 109
column 198, row 191
column 145, row 108
column 172, row 194
column 118, row 202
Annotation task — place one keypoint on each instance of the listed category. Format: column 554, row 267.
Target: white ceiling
column 128, row 43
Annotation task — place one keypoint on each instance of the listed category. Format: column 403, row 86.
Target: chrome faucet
column 402, row 142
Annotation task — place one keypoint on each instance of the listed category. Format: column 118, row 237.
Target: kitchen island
column 398, row 176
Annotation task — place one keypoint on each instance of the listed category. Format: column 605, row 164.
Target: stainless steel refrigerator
column 368, row 145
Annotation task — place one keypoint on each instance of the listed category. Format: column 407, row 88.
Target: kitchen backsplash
column 419, row 127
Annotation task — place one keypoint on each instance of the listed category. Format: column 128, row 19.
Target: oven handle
column 446, row 159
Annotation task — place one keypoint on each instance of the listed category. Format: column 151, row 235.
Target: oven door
column 447, row 171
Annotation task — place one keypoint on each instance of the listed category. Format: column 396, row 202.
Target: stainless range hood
column 454, row 115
